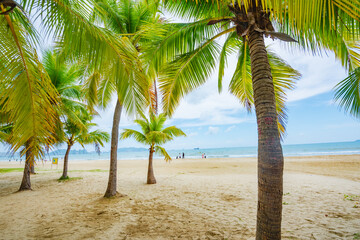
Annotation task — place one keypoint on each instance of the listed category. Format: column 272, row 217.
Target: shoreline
column 286, row 158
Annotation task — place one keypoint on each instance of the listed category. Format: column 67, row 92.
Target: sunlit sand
column 193, row 199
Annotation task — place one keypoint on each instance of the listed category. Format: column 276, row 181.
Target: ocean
column 338, row 148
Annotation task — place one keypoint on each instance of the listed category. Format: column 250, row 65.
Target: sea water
column 338, row 148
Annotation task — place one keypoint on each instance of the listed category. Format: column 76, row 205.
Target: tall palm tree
column 154, row 135
column 83, row 136
column 125, row 19
column 73, row 118
column 316, row 25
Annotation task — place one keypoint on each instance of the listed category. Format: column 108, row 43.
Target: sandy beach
column 193, row 199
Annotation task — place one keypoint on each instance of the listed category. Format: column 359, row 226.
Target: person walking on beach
column 183, row 155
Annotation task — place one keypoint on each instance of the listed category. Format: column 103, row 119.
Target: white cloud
column 213, row 130
column 319, row 73
column 192, row 134
column 230, row 128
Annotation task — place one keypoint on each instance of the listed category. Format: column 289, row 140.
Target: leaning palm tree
column 154, row 135
column 316, row 25
column 74, row 134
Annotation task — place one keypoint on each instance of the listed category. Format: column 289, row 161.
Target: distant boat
column 196, row 148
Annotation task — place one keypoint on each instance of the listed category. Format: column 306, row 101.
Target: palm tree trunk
column 111, row 188
column 25, row 183
column 66, row 160
column 32, row 168
column 270, row 156
column 150, row 176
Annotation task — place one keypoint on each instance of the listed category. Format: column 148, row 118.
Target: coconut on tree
column 153, row 135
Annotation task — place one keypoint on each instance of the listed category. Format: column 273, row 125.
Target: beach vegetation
column 154, row 135
column 68, row 179
column 351, row 197
column 8, row 170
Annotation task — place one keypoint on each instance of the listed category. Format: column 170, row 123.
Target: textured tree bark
column 32, row 167
column 66, row 160
column 270, row 156
column 150, row 176
column 111, row 188
column 25, row 183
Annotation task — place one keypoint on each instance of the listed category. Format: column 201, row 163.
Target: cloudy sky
column 214, row 120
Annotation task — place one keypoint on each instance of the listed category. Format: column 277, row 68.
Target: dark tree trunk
column 150, row 176
column 270, row 156
column 66, row 160
column 32, row 167
column 25, row 183
column 111, row 188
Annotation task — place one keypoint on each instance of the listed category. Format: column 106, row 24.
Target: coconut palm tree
column 124, row 18
column 154, row 135
column 316, row 25
column 74, row 134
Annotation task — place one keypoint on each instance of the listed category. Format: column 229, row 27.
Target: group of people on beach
column 179, row 156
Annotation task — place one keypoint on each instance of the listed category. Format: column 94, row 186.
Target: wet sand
column 193, row 199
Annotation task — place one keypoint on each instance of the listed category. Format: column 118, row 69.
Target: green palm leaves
column 348, row 93
column 153, row 133
column 83, row 135
column 27, row 95
column 200, row 41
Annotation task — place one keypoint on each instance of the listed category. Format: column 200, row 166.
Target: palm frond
column 162, row 151
column 29, row 96
column 173, row 131
column 229, row 47
column 186, row 73
column 241, row 82
column 347, row 93
column 127, row 133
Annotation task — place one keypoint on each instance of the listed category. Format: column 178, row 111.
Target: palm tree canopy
column 317, row 26
column 194, row 49
column 124, row 18
column 153, row 133
column 83, row 135
column 28, row 98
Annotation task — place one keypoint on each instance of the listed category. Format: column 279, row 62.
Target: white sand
column 193, row 199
